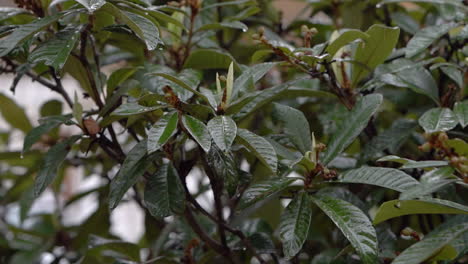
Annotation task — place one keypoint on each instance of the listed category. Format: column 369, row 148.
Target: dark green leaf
column 294, row 224
column 117, row 77
column 352, row 126
column 263, row 190
column 198, row 131
column 260, row 147
column 24, row 32
column 430, row 244
column 431, row 182
column 161, row 131
column 55, row 51
column 133, row 109
column 384, row 177
column 461, row 112
column 164, row 193
column 99, row 246
column 203, row 59
column 424, row 38
column 223, row 130
column 456, row 3
column 132, row 168
column 354, row 224
column 51, row 163
column 438, row 119
column 249, row 77
column 224, row 166
column 35, row 134
column 226, row 24
column 143, row 27
column 295, row 126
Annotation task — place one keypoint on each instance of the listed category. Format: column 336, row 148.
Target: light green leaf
column 161, row 131
column 294, row 224
column 461, row 112
column 430, row 245
column 92, row 5
column 384, row 177
column 164, row 193
column 54, row 52
column 198, row 131
column 229, row 83
column 14, row 114
column 223, row 130
column 295, row 126
column 77, row 110
column 227, row 3
column 438, row 119
column 134, row 165
column 53, row 159
column 133, row 109
column 354, row 224
column 396, row 208
column 260, row 147
column 380, row 44
column 264, row 190
column 424, row 38
column 24, row 32
column 352, row 126
column 204, row 59
column 345, row 38
column 143, row 27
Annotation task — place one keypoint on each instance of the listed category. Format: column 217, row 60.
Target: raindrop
column 21, row 156
column 146, row 13
column 244, row 30
column 378, row 5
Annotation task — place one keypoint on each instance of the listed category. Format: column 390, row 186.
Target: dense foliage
column 339, row 137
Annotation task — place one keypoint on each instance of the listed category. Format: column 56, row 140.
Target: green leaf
column 229, row 83
column 161, row 131
column 181, row 84
column 134, row 165
column 14, row 114
column 164, row 193
column 352, row 126
column 295, row 126
column 35, row 134
column 430, row 244
column 198, row 131
column 345, row 38
column 98, row 246
column 53, row 159
column 455, row 3
column 384, row 177
column 24, row 32
column 92, row 5
column 143, row 27
column 204, row 59
column 354, row 224
column 249, row 77
column 223, row 130
column 408, row 74
column 451, row 70
column 117, row 77
column 294, row 224
column 225, row 24
column 424, row 38
column 54, row 52
column 437, row 120
column 431, row 182
column 77, row 110
column 396, row 208
column 424, row 164
column 391, row 139
column 260, row 147
column 380, row 44
column 133, row 109
column 461, row 112
column 223, row 165
column 264, row 190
